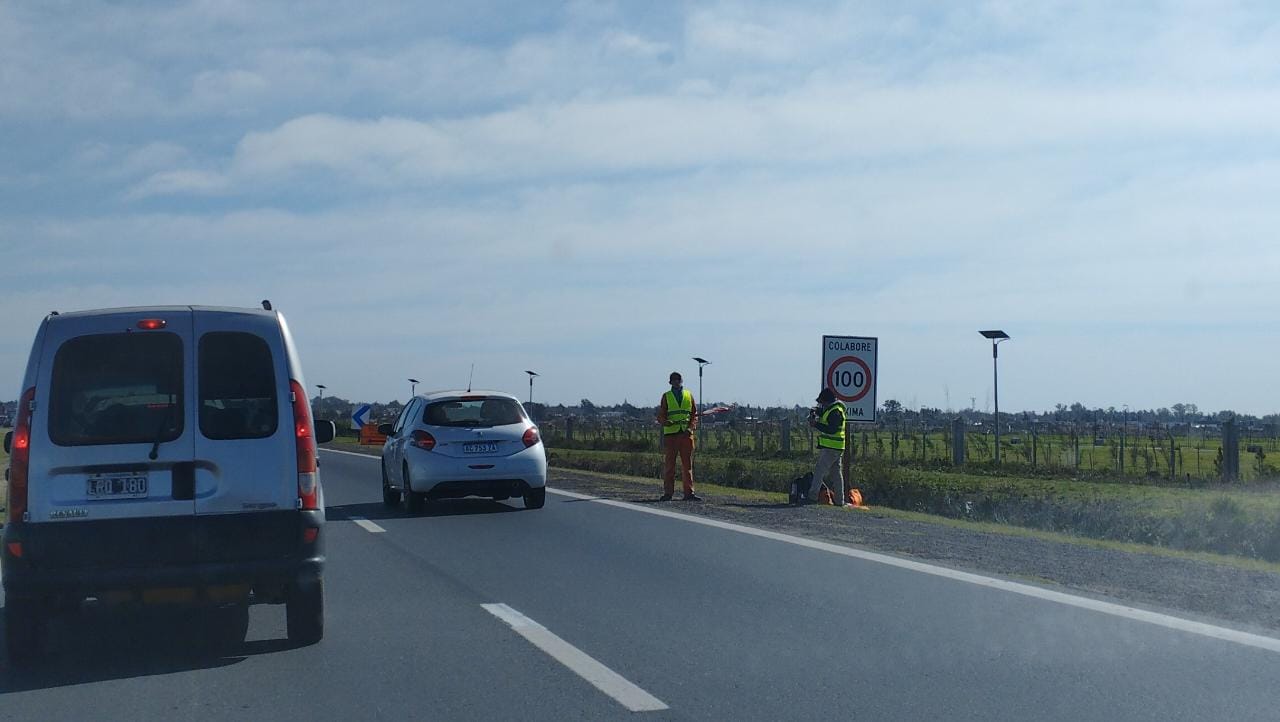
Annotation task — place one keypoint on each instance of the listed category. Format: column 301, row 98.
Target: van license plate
column 483, row 447
column 129, row 485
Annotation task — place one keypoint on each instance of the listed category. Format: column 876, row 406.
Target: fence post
column 1230, row 451
column 786, row 437
column 1035, row 451
column 957, row 441
column 568, row 430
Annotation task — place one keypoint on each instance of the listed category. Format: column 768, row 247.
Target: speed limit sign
column 849, row 369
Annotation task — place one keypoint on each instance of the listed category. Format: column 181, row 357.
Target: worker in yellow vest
column 678, row 415
column 829, row 422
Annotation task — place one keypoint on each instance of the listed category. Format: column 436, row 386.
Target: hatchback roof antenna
column 471, row 376
column 266, row 305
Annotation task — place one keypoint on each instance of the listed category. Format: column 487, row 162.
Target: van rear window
column 122, row 388
column 237, row 387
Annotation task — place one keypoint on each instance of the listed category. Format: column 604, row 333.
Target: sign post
column 849, row 370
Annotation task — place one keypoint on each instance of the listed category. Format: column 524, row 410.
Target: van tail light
column 423, row 440
column 308, row 477
column 531, row 436
column 20, row 458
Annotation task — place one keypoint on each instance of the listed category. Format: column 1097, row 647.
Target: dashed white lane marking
column 367, row 525
column 580, row 663
column 1167, row 621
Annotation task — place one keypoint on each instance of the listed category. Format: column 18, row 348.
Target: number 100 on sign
column 849, row 369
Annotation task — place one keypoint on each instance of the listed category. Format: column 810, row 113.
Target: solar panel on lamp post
column 996, row 337
column 531, row 375
column 701, row 405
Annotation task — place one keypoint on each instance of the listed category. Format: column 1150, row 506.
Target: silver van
column 164, row 455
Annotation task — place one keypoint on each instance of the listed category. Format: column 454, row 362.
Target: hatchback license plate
column 481, row 447
column 117, row 486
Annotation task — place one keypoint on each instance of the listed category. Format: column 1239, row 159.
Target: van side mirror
column 8, row 441
column 384, row 429
column 325, row 431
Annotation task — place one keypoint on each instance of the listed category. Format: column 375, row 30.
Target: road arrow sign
column 358, row 416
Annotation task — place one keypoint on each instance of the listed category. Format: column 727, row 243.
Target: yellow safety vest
column 836, row 440
column 678, row 412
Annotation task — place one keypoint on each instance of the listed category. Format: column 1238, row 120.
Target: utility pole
column 996, row 337
column 701, row 404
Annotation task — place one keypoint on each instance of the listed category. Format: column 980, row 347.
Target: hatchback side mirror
column 325, row 431
column 8, row 441
column 384, row 429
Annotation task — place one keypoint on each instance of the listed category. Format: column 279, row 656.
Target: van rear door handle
column 184, row 481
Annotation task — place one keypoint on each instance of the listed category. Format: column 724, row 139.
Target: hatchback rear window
column 123, row 388
column 473, row 413
column 237, row 387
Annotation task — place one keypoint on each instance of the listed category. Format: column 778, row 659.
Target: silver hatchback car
column 453, row 444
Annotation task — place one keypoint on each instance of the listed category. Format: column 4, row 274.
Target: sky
column 601, row 191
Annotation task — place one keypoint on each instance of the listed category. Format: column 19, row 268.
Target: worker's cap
column 826, row 396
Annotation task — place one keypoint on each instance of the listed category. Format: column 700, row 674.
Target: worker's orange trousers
column 681, row 444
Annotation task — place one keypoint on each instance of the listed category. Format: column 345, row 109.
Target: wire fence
column 1053, row 449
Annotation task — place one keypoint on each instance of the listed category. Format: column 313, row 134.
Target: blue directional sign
column 358, row 417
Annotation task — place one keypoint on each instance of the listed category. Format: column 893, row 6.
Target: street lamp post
column 531, row 375
column 996, row 337
column 701, row 403
column 322, row 387
column 413, row 387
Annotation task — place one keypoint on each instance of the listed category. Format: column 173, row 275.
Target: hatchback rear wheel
column 413, row 501
column 535, row 498
column 390, row 497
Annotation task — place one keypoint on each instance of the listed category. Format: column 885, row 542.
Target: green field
column 1240, row 519
column 1150, row 455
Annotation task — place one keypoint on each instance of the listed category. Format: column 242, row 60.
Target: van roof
column 158, row 309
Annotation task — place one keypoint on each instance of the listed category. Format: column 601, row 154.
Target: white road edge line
column 1203, row 629
column 580, row 663
column 349, row 453
column 1116, row 610
column 367, row 525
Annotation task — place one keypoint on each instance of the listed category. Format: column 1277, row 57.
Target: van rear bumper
column 268, row 552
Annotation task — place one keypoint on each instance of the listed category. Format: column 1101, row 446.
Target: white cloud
column 582, row 188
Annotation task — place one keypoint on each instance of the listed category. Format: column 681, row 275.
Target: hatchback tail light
column 20, row 457
column 308, row 478
column 531, row 436
column 423, row 440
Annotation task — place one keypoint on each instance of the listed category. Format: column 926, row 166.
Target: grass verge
column 1224, row 520
column 882, row 512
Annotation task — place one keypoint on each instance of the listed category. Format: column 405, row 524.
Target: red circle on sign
column 831, row 372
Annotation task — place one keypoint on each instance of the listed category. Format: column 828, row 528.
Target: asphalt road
column 681, row 618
